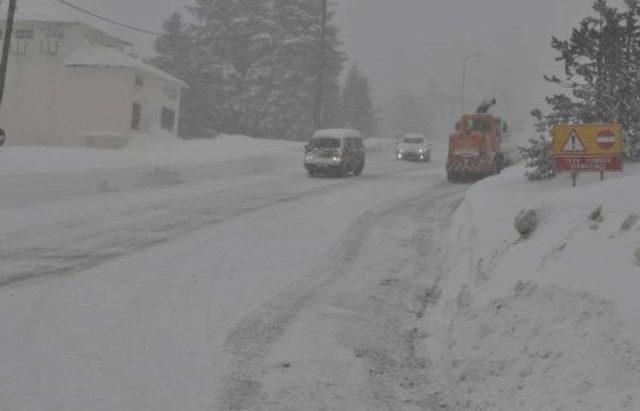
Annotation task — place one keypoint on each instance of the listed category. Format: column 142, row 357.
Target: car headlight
column 309, row 157
column 421, row 150
column 336, row 159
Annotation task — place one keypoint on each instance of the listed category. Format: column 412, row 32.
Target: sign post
column 587, row 148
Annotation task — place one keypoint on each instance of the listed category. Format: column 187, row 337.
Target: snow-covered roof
column 337, row 133
column 39, row 10
column 53, row 12
column 414, row 135
column 101, row 56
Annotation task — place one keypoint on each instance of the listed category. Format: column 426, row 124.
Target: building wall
column 47, row 103
column 91, row 100
column 155, row 94
column 30, row 88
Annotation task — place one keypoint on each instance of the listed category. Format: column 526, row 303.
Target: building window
column 168, row 119
column 53, row 32
column 139, row 81
column 20, row 48
column 49, row 48
column 24, row 34
column 136, row 113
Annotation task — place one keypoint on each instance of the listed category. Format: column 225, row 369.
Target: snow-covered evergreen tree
column 253, row 66
column 230, row 37
column 285, row 93
column 357, row 103
column 173, row 49
column 539, row 154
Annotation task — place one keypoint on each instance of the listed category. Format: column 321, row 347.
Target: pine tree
column 282, row 104
column 598, row 60
column 539, row 154
column 230, row 37
column 336, row 58
column 253, row 66
column 357, row 104
column 283, row 99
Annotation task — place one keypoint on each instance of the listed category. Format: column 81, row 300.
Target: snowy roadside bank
column 548, row 322
column 30, row 174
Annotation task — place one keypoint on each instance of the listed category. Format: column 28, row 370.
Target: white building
column 69, row 83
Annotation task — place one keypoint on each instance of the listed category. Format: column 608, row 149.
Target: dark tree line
column 252, row 68
column 600, row 82
column 357, row 106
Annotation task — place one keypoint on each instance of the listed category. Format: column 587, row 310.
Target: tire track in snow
column 252, row 340
column 85, row 245
column 383, row 332
column 91, row 249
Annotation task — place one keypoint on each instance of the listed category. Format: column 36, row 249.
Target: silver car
column 414, row 147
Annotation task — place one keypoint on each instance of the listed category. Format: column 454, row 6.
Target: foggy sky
column 408, row 43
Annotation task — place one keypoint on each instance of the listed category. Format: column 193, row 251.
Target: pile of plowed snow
column 29, row 174
column 142, row 151
column 548, row 322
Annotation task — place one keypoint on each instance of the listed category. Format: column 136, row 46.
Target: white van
column 337, row 151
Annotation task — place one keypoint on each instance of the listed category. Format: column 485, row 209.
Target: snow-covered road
column 179, row 296
column 344, row 337
column 71, row 234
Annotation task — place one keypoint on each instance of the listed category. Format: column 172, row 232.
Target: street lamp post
column 464, row 78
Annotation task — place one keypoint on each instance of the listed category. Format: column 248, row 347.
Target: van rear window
column 324, row 142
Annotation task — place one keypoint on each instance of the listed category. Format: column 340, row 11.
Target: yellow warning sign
column 587, row 140
column 590, row 147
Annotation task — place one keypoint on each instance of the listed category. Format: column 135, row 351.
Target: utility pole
column 6, row 47
column 318, row 112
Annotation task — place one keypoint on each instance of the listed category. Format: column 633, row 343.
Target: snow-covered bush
column 539, row 154
column 526, row 222
column 539, row 157
column 629, row 223
column 632, row 144
column 597, row 215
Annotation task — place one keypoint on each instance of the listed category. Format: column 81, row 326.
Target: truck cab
column 475, row 149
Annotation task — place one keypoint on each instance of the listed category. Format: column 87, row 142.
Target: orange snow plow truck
column 476, row 148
